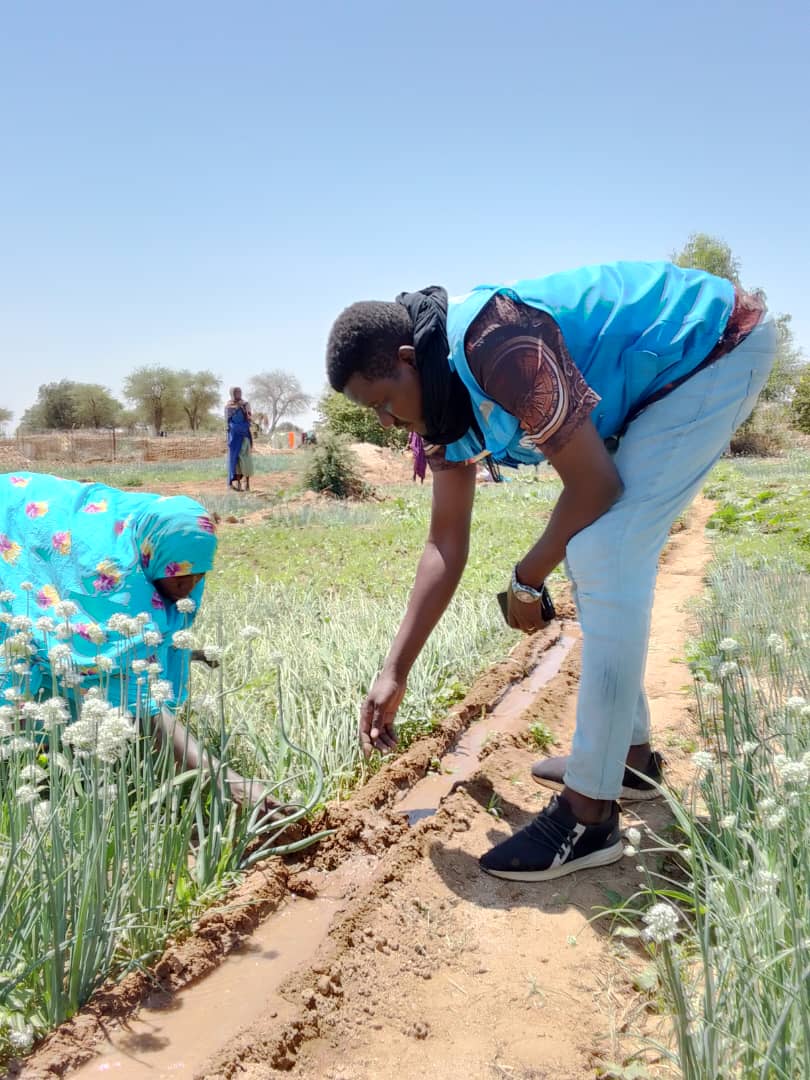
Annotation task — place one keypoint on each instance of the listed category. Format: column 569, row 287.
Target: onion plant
column 731, row 930
column 105, row 847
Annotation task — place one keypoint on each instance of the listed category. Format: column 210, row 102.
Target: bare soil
column 430, row 968
column 380, row 465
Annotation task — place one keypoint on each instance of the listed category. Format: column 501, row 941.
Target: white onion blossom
column 703, row 761
column 101, row 730
column 183, row 639
column 661, row 923
column 793, row 773
column 161, row 691
column 633, row 836
column 33, row 774
column 776, row 643
column 26, row 794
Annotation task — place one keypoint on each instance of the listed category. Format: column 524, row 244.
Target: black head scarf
column 446, row 403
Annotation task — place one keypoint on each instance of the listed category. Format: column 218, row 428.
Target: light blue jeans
column 663, row 460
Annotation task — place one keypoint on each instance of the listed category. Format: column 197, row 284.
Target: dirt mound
column 11, row 458
column 381, row 465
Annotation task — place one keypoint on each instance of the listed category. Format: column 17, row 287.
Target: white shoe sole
column 627, row 794
column 597, row 858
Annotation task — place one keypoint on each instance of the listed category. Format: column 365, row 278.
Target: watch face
column 524, row 596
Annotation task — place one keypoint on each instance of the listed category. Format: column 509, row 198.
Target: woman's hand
column 378, row 712
column 199, row 656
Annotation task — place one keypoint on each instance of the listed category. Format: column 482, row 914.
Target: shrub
column 333, row 469
column 343, row 417
column 801, row 402
column 764, row 434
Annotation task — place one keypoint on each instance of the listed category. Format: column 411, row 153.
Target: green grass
column 374, row 547
column 764, row 507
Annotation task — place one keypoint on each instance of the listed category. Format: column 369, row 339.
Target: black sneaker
column 550, row 772
column 554, row 844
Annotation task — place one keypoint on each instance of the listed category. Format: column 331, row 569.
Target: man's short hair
column 365, row 339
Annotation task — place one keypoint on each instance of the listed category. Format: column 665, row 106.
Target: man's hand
column 378, row 712
column 523, row 616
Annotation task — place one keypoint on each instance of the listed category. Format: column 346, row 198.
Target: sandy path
column 429, row 968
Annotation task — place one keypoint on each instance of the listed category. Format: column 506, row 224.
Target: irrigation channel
column 386, row 951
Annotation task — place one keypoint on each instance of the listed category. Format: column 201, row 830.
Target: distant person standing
column 416, row 445
column 240, row 441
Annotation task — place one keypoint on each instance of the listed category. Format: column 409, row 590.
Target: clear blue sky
column 208, row 184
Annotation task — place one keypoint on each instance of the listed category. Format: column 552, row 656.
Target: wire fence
column 114, row 447
column 87, row 447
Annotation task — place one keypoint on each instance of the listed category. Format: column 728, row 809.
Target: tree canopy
column 279, row 395
column 156, row 394
column 199, row 394
column 66, row 404
column 705, row 252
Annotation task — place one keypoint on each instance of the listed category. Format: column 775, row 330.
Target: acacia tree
column 95, row 407
column 66, row 404
column 157, row 394
column 199, row 395
column 279, row 394
column 54, row 409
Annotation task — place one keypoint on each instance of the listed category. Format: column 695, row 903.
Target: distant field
column 153, row 473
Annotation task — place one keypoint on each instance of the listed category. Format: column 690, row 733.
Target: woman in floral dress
column 98, row 591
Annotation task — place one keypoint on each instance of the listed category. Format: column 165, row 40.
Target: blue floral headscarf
column 75, row 556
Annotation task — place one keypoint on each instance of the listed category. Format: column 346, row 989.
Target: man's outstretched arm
column 437, row 576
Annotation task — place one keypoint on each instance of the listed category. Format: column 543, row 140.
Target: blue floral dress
column 78, row 603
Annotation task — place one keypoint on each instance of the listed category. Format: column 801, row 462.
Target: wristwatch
column 527, row 594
